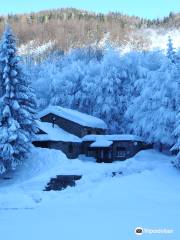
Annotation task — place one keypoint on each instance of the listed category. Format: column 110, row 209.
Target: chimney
column 53, row 121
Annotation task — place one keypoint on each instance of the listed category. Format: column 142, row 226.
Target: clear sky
column 143, row 8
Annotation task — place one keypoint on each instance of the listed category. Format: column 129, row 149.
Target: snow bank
column 44, row 164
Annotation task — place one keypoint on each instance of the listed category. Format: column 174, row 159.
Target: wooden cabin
column 62, row 129
column 72, row 121
column 77, row 133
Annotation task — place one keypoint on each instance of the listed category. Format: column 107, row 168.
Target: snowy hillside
column 159, row 38
column 146, row 194
column 34, row 48
column 153, row 39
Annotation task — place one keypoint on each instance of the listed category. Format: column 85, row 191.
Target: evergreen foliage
column 17, row 122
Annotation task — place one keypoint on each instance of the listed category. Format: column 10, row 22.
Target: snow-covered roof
column 74, row 116
column 116, row 137
column 54, row 133
column 101, row 143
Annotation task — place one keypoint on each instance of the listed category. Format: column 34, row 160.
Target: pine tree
column 170, row 50
column 17, row 122
column 176, row 147
column 168, row 109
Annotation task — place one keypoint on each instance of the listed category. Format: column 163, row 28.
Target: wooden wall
column 72, row 150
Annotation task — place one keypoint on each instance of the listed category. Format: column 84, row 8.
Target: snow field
column 99, row 207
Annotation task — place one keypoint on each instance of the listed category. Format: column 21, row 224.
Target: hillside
column 69, row 28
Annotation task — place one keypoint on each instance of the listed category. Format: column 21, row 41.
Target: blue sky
column 143, row 8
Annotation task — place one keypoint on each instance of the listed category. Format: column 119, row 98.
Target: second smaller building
column 108, row 148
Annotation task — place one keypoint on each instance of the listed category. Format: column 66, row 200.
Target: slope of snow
column 145, row 193
column 74, row 116
column 54, row 133
column 153, row 40
column 33, row 48
column 159, row 39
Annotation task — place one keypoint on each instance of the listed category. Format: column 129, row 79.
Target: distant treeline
column 74, row 28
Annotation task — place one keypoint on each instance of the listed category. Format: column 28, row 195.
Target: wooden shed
column 108, row 148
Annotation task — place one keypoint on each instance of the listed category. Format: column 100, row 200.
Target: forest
column 137, row 92
column 73, row 28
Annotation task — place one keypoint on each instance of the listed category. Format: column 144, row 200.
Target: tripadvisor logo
column 139, row 231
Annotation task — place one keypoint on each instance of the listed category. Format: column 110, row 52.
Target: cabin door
column 102, row 154
column 107, row 155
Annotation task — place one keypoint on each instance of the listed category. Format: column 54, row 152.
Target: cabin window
column 89, row 132
column 120, row 152
column 70, row 148
column 98, row 132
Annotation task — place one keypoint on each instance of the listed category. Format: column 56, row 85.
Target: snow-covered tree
column 17, row 118
column 110, row 100
column 171, row 54
column 176, row 147
column 134, row 77
column 155, row 109
column 129, row 91
column 168, row 109
column 86, row 89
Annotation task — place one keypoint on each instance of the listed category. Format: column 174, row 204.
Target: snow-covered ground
column 100, row 207
column 34, row 48
column 156, row 39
